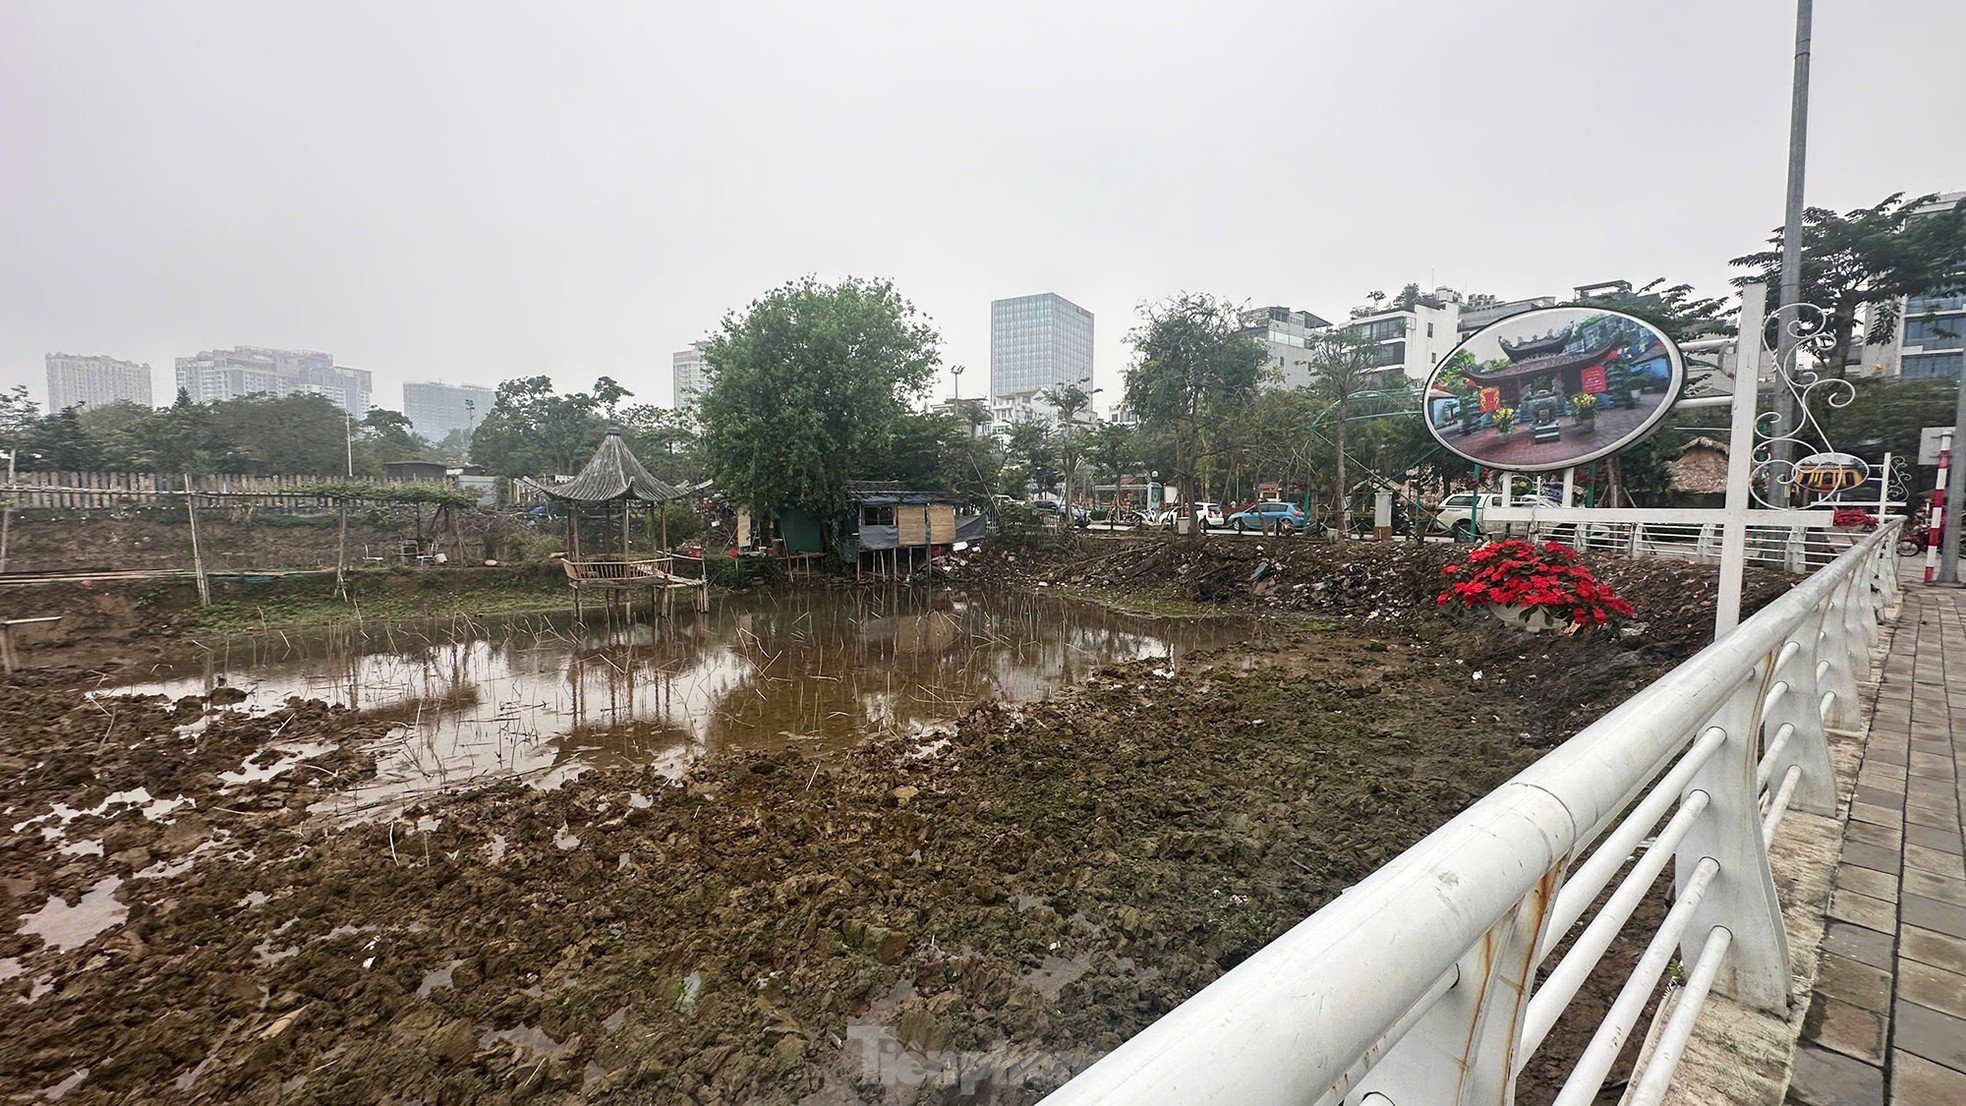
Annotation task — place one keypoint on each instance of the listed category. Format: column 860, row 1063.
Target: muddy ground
column 1016, row 895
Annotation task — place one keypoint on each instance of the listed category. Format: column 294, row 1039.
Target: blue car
column 1267, row 515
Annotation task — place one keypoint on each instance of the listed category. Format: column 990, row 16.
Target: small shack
column 1701, row 468
column 614, row 485
column 889, row 526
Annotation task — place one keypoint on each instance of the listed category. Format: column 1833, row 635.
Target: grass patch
column 292, row 602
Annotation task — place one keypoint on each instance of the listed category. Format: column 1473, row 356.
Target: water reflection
column 541, row 698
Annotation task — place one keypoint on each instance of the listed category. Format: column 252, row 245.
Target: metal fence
column 1418, row 986
column 1787, row 548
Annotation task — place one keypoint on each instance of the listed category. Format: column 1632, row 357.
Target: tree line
column 817, row 385
column 287, row 435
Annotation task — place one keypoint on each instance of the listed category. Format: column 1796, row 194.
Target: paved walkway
column 1888, row 1021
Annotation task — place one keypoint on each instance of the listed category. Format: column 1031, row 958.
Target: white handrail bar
column 1291, row 1022
column 1652, row 1083
column 1575, row 967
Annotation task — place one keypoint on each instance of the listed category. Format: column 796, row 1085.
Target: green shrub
column 683, row 522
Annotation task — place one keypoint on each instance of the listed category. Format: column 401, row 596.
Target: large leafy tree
column 1642, row 471
column 18, row 414
column 390, row 436
column 279, row 434
column 532, row 430
column 1868, row 257
column 936, row 450
column 1887, row 416
column 665, row 438
column 61, row 443
column 1193, row 366
column 806, row 383
column 1033, row 448
column 1674, row 308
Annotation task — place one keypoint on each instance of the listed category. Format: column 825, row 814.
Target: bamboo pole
column 197, row 555
column 341, row 556
column 7, row 511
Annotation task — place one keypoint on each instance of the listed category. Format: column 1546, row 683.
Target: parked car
column 1268, row 515
column 1208, row 515
column 1457, row 514
column 1081, row 517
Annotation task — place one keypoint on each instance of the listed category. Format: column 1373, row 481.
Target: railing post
column 1742, row 896
column 1883, row 569
column 1797, row 698
column 1463, row 1051
column 1845, row 642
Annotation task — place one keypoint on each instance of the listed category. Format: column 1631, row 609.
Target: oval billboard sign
column 1553, row 388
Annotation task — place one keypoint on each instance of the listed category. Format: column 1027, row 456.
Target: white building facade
column 692, row 375
column 1038, row 342
column 1415, row 338
column 1287, row 334
column 1929, row 341
column 77, row 380
column 216, row 375
column 438, row 410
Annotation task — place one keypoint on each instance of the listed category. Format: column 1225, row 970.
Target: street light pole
column 1786, row 314
column 1955, row 490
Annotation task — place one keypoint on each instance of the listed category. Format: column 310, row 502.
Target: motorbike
column 1916, row 537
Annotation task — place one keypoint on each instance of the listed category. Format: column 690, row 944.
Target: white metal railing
column 1784, row 547
column 1417, row 987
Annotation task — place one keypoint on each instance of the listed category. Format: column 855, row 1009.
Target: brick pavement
column 1887, row 1023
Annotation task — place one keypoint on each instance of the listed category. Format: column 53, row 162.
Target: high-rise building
column 76, row 380
column 1288, row 336
column 690, row 374
column 437, row 410
column 1037, row 342
column 255, row 370
column 1929, row 339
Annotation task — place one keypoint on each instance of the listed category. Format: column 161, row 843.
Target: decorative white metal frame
column 1417, row 986
column 1803, row 435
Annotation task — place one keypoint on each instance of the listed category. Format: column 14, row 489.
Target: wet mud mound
column 996, row 904
column 1373, row 581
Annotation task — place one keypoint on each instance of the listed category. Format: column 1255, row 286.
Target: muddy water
column 541, row 698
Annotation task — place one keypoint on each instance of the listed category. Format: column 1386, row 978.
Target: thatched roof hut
column 1701, row 467
column 613, row 475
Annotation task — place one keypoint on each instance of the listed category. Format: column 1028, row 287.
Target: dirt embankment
column 776, row 929
column 1369, row 581
column 240, row 540
column 114, row 626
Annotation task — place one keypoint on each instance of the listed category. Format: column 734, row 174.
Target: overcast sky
column 475, row 191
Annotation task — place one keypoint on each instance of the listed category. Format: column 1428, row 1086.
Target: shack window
column 874, row 515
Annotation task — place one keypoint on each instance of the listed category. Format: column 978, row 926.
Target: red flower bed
column 1531, row 577
column 1855, row 518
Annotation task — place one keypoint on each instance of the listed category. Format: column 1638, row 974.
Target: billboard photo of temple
column 1553, row 388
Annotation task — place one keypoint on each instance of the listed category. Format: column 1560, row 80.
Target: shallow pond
column 540, row 697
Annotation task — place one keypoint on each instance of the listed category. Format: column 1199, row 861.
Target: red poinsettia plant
column 1853, row 518
column 1533, row 583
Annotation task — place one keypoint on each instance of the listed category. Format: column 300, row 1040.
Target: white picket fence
column 93, row 491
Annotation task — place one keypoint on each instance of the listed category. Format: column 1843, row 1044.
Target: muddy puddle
column 541, row 698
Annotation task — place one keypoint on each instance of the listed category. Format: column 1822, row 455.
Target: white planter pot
column 1533, row 619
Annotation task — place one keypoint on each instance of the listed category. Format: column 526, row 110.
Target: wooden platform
column 637, row 572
